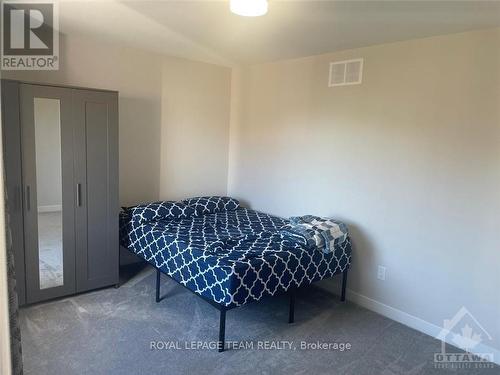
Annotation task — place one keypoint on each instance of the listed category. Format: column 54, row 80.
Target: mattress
column 231, row 257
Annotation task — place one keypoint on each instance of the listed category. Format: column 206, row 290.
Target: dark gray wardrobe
column 61, row 169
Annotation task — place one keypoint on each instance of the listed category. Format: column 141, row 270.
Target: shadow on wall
column 140, row 142
column 244, row 203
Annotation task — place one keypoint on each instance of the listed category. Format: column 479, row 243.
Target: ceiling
column 208, row 31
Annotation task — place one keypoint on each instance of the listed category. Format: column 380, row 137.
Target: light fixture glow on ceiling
column 249, row 8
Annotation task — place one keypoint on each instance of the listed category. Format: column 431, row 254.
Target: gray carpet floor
column 110, row 332
column 50, row 249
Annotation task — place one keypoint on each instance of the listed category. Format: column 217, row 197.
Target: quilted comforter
column 231, row 257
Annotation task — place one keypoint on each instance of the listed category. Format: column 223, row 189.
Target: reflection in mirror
column 49, row 191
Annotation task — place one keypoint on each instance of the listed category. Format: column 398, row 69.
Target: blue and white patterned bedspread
column 231, row 257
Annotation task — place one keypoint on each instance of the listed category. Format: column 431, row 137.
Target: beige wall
column 149, row 139
column 410, row 160
column 195, row 132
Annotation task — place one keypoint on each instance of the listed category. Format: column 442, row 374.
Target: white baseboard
column 53, row 208
column 412, row 321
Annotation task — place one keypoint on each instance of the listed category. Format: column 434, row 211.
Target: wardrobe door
column 49, row 191
column 13, row 179
column 95, row 115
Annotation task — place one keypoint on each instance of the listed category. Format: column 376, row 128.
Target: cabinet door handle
column 79, row 195
column 28, row 198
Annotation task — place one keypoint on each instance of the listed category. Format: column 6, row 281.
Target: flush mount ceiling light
column 249, row 8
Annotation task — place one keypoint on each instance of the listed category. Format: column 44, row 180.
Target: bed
column 226, row 254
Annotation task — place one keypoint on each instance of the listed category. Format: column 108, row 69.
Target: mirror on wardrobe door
column 49, row 191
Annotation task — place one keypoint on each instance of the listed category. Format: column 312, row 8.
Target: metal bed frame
column 222, row 308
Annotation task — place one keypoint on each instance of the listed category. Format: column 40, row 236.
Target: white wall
column 149, row 139
column 195, row 132
column 48, row 154
column 410, row 160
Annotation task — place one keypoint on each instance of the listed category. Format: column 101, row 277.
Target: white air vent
column 347, row 72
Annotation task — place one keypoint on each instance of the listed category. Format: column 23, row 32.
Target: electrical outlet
column 381, row 273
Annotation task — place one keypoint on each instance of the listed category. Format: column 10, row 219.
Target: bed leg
column 344, row 284
column 222, row 329
column 291, row 311
column 158, row 274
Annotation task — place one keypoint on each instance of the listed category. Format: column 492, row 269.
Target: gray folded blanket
column 316, row 232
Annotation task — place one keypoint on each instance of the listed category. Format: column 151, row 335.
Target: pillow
column 168, row 210
column 212, row 204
